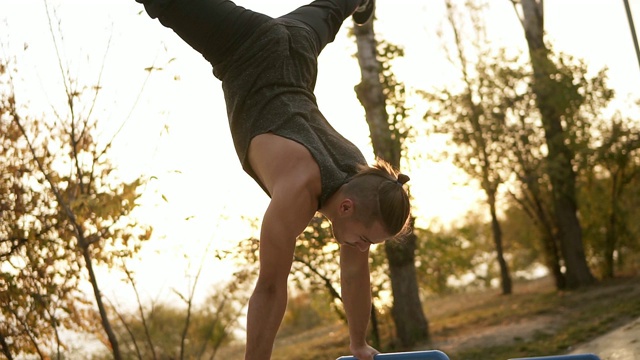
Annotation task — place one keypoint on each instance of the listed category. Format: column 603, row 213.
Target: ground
column 475, row 321
column 537, row 320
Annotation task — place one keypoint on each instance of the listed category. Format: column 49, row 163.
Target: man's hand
column 356, row 297
column 364, row 352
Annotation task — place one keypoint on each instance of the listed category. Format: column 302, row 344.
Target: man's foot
column 364, row 12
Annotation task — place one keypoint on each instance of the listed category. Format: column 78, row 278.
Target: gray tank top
column 268, row 87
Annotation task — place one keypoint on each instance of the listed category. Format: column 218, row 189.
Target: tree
column 528, row 151
column 36, row 282
column 378, row 90
column 473, row 118
column 526, row 250
column 160, row 331
column 505, row 129
column 556, row 96
column 612, row 168
column 69, row 213
column 448, row 256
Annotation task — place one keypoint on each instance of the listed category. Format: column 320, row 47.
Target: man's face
column 350, row 232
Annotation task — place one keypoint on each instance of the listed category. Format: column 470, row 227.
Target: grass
column 536, row 320
column 557, row 321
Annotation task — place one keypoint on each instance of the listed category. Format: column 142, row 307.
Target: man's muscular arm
column 292, row 177
column 356, row 294
column 286, row 217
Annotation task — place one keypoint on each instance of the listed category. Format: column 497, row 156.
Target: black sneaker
column 364, row 12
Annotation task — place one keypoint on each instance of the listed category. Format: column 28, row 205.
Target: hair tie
column 402, row 179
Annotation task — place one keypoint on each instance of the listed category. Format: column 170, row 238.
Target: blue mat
column 413, row 355
column 563, row 357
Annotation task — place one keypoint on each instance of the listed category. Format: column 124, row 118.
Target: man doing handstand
column 268, row 69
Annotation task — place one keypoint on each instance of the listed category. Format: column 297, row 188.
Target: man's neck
column 330, row 207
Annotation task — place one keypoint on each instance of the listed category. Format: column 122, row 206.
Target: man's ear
column 346, row 207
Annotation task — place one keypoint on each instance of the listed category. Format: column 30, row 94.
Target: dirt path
column 620, row 344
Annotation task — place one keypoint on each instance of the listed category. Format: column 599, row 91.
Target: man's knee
column 154, row 7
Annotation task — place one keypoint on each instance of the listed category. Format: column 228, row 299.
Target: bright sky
column 178, row 130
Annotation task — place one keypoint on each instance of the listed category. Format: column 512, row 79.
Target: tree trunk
column 610, row 231
column 552, row 259
column 408, row 316
column 533, row 204
column 411, row 325
column 549, row 237
column 560, row 156
column 548, row 234
column 496, row 230
column 371, row 96
column 4, row 346
column 113, row 340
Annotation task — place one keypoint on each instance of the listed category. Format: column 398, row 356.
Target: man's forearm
column 358, row 308
column 356, row 294
column 266, row 309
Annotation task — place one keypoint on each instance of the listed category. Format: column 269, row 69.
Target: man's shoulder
column 279, row 161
